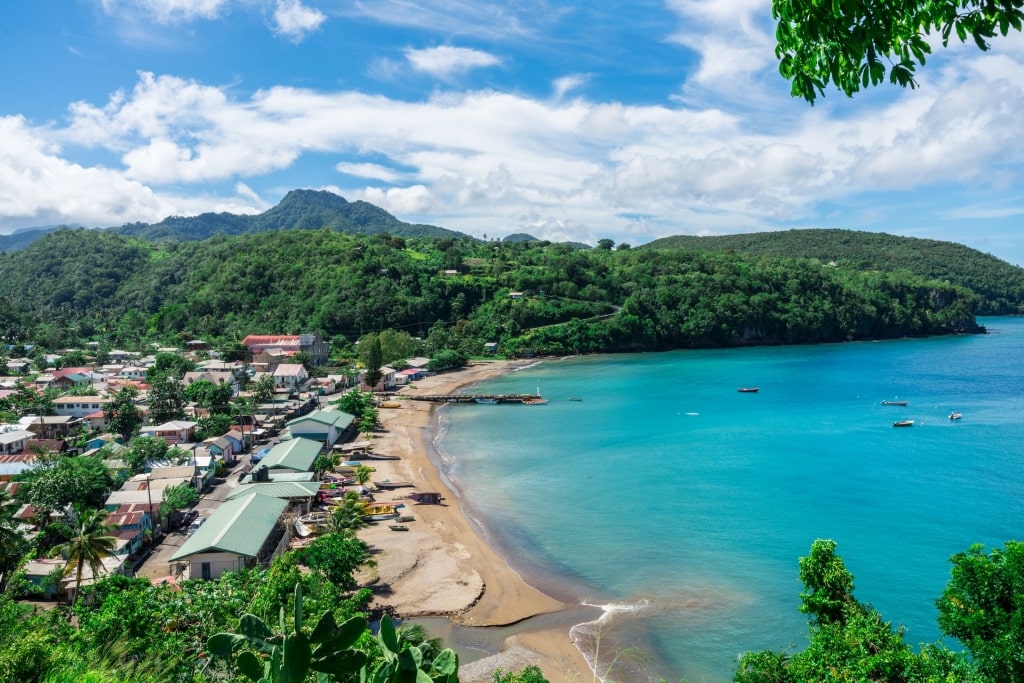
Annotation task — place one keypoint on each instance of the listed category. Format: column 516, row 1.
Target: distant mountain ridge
column 300, row 209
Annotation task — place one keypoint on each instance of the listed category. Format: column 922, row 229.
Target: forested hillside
column 530, row 297
column 1000, row 284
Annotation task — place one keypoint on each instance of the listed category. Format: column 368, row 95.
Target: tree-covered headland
column 460, row 293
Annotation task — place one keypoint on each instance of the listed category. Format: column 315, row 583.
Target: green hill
column 1000, row 284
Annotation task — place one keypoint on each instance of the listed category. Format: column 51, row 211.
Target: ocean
column 680, row 506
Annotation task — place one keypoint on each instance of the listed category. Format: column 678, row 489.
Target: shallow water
column 683, row 504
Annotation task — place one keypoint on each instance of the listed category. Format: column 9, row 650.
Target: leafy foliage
column 983, row 607
column 57, row 482
column 852, row 44
column 337, row 557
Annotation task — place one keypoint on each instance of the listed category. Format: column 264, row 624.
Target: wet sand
column 442, row 566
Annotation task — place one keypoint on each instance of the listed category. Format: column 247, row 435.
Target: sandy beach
column 442, row 566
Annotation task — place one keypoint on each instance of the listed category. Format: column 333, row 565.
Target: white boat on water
column 487, row 401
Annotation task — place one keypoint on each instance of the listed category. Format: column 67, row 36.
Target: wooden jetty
column 472, row 398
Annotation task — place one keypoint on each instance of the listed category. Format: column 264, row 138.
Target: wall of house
column 219, row 563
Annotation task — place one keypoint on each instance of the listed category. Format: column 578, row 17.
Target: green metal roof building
column 325, row 426
column 295, row 454
column 240, row 533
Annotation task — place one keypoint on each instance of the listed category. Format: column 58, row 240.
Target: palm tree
column 90, row 542
column 12, row 542
column 363, row 474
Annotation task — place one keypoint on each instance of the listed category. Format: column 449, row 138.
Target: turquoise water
column 681, row 505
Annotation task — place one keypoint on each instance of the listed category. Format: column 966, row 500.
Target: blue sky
column 568, row 120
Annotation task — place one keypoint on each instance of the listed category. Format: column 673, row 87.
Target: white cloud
column 565, row 84
column 446, row 61
column 498, row 162
column 372, row 171
column 167, row 11
column 477, row 18
column 295, row 20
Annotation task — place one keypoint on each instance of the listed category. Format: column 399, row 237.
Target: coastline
column 443, row 566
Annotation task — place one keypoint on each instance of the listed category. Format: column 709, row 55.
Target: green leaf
column 387, row 634
column 256, row 632
column 340, row 663
column 447, row 662
column 297, row 656
column 249, row 665
column 298, row 606
column 410, row 659
column 223, row 644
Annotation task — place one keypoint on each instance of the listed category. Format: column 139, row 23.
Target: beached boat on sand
column 398, row 527
column 388, row 484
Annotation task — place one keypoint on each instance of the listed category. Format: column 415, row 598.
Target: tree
column 850, row 44
column 57, row 482
column 123, row 416
column 206, row 394
column 605, row 244
column 849, row 640
column 169, row 364
column 983, row 607
column 12, row 543
column 143, row 450
column 89, row 543
column 374, row 361
column 178, row 497
column 166, row 399
column 347, row 516
column 263, row 388
column 337, row 557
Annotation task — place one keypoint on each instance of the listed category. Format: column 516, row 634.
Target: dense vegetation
column 529, row 297
column 1000, row 284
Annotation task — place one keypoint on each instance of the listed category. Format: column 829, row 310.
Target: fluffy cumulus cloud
column 295, row 20
column 446, row 61
column 498, row 162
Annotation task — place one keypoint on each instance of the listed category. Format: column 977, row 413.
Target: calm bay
column 681, row 505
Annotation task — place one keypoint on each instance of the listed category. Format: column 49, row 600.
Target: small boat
column 575, row 398
column 955, row 416
column 903, row 423
column 406, row 518
column 380, row 517
column 538, row 401
column 388, row 484
column 398, row 527
column 749, row 390
column 894, row 403
column 487, row 401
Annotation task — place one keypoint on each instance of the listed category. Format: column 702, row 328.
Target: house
column 515, row 295
column 173, row 432
column 13, row 439
column 289, row 344
column 222, row 448
column 14, row 463
column 299, row 494
column 325, row 426
column 297, row 454
column 133, row 372
column 80, row 406
column 214, row 377
column 132, row 528
column 49, row 426
column 244, row 532
column 18, row 366
column 291, row 376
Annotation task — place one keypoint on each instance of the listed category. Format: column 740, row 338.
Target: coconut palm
column 12, row 542
column 363, row 474
column 89, row 543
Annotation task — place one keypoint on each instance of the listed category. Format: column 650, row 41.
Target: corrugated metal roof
column 238, row 526
column 326, row 416
column 297, row 454
column 281, row 475
column 277, row 489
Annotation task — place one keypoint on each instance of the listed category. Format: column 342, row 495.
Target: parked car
column 194, row 526
column 187, row 518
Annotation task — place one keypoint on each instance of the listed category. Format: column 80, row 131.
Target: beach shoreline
column 444, row 565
